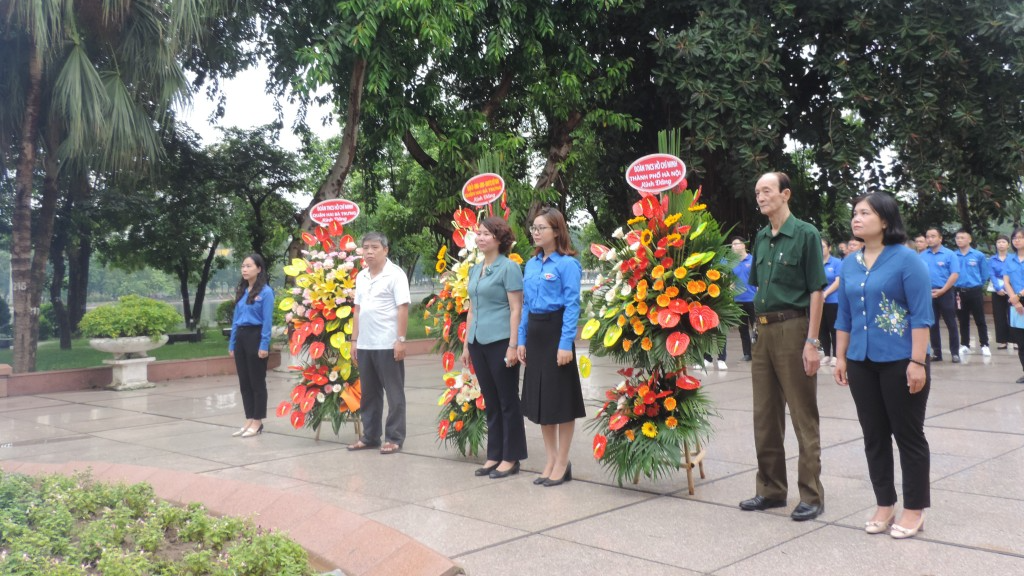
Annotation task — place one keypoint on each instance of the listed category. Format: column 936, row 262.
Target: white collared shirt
column 378, row 299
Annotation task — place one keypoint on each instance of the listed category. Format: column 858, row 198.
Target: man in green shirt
column 789, row 276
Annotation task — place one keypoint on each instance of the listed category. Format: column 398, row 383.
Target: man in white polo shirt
column 378, row 331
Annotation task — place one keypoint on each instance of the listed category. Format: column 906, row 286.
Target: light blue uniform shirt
column 742, row 273
column 550, row 285
column 259, row 313
column 996, row 268
column 974, row 270
column 488, row 297
column 941, row 265
column 1014, row 269
column 880, row 307
column 832, row 267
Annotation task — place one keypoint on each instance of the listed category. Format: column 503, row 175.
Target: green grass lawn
column 51, row 357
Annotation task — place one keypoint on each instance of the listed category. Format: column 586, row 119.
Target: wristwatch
column 814, row 342
column 401, row 339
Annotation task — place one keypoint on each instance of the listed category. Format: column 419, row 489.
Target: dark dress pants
column 827, row 333
column 499, row 384
column 1001, row 317
column 886, row 409
column 745, row 323
column 972, row 303
column 252, row 372
column 381, row 375
column 945, row 307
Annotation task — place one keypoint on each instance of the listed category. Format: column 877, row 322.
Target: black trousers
column 945, row 306
column 1001, row 317
column 886, row 410
column 1017, row 337
column 972, row 303
column 827, row 333
column 252, row 372
column 745, row 323
column 499, row 384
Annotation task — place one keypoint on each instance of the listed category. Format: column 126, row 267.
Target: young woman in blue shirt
column 1013, row 284
column 1000, row 299
column 250, row 341
column 882, row 330
column 552, row 394
column 492, row 334
column 827, row 332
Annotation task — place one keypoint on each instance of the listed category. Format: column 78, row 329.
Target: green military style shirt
column 787, row 267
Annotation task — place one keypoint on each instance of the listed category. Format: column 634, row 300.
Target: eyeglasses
column 537, row 229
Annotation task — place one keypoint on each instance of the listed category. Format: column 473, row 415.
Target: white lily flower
column 610, row 295
column 618, row 233
column 610, row 256
column 626, row 289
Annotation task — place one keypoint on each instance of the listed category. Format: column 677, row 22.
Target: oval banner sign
column 482, row 189
column 337, row 210
column 655, row 173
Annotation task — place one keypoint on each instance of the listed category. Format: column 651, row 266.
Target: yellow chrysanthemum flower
column 442, row 252
column 658, row 271
column 649, row 429
column 673, row 218
column 714, row 290
column 636, row 220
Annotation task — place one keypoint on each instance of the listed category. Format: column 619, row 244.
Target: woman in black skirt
column 552, row 394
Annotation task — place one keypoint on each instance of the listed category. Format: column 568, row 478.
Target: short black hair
column 1002, row 237
column 937, row 231
column 889, row 212
column 735, row 238
column 962, row 230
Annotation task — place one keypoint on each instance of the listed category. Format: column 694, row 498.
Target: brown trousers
column 779, row 379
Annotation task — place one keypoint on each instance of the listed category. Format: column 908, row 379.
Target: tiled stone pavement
column 590, row 526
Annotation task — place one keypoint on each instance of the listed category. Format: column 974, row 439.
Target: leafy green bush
column 225, row 312
column 129, row 316
column 47, row 322
column 67, row 526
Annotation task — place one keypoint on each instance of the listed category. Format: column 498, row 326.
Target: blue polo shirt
column 550, row 285
column 832, row 268
column 974, row 270
column 996, row 268
column 878, row 308
column 1013, row 270
column 941, row 265
column 742, row 273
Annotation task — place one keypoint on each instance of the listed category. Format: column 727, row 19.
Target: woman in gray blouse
column 496, row 303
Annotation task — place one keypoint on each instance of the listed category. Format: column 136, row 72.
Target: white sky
column 248, row 105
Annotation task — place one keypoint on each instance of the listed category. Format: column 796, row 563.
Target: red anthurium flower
column 677, row 343
column 687, row 382
column 462, row 331
column 633, row 237
column 335, row 229
column 682, row 187
column 617, row 421
column 330, row 314
column 480, row 405
column 283, row 408
column 448, row 361
column 305, row 329
column 298, row 419
column 442, row 429
column 459, row 236
column 298, row 393
column 600, row 443
column 345, row 241
column 678, row 306
column 627, row 372
column 451, row 393
column 307, row 404
column 295, row 346
column 598, row 250
column 316, row 350
column 702, row 318
column 324, row 238
column 668, row 318
column 611, row 395
column 309, row 239
column 317, row 326
column 465, row 217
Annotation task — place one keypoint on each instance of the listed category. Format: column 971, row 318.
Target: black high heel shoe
column 505, row 473
column 485, row 470
column 540, row 481
column 565, row 477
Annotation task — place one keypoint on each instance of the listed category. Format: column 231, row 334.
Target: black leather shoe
column 761, row 503
column 539, row 481
column 805, row 511
column 936, row 358
column 485, row 470
column 1020, row 380
column 747, row 358
column 506, row 473
column 565, row 477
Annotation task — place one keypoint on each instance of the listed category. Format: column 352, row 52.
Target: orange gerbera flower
column 621, row 320
column 646, row 343
column 630, row 309
column 695, row 287
column 641, row 290
column 643, row 390
column 714, row 274
column 663, row 300
column 659, row 285
column 714, row 290
column 641, row 308
column 658, row 271
column 630, row 435
column 626, row 345
column 671, row 422
column 670, row 403
column 638, row 327
column 672, row 291
column 680, row 272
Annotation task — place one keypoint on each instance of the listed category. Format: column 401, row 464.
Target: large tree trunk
column 559, row 146
column 204, row 280
column 26, row 319
column 57, row 263
column 182, row 272
column 332, row 187
column 79, row 251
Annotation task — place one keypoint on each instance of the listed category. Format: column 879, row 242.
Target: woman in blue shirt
column 250, row 341
column 1013, row 284
column 885, row 310
column 1000, row 301
column 552, row 393
column 492, row 332
column 827, row 332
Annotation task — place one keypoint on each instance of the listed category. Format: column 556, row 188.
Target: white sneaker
column 825, row 360
column 964, row 351
column 985, row 351
column 722, row 365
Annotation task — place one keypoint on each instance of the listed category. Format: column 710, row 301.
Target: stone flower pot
column 130, row 364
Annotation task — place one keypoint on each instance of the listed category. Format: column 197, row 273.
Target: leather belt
column 773, row 317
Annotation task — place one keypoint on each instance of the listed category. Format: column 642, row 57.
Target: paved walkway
column 495, row 527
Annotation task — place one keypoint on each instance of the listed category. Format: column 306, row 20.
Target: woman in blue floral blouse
column 885, row 309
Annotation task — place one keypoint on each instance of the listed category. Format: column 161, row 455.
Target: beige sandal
column 389, row 448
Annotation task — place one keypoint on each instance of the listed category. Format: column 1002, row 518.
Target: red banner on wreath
column 337, row 210
column 482, row 189
column 655, row 173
